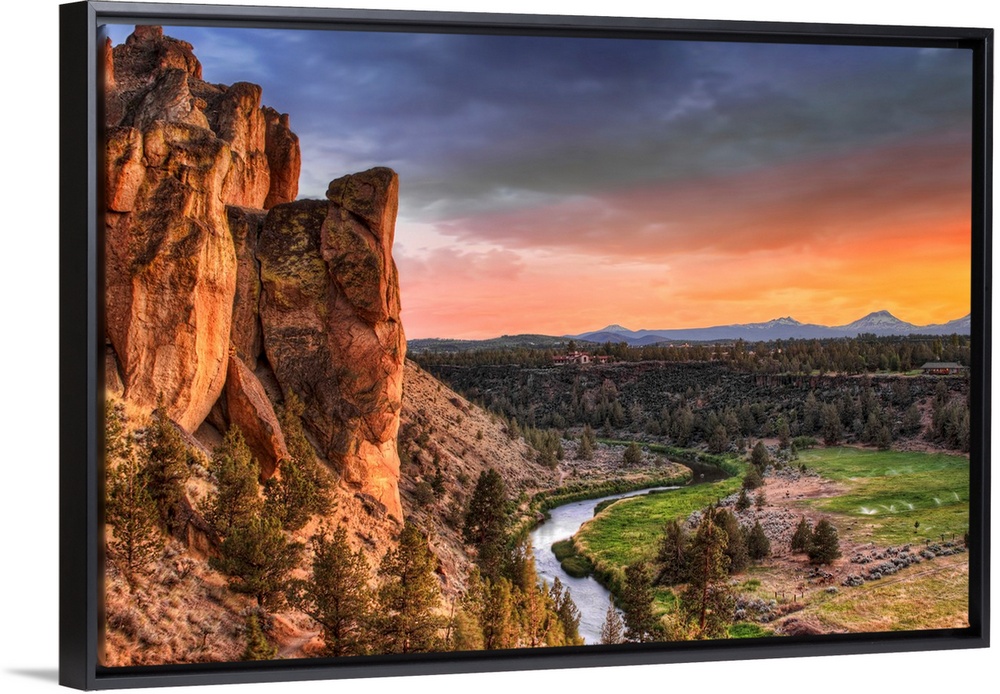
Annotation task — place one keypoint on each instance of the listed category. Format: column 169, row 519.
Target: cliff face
column 330, row 316
column 216, row 280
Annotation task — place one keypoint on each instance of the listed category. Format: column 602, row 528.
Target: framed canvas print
column 428, row 342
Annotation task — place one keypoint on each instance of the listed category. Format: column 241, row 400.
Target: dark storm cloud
column 487, row 124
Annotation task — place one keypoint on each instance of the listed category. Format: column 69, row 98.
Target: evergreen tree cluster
column 146, row 468
column 821, row 543
column 505, row 607
column 724, row 396
column 131, row 508
column 674, row 557
column 701, row 563
column 857, row 355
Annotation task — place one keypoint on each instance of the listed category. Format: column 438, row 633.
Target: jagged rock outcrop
column 330, row 316
column 202, row 290
column 179, row 150
column 284, row 158
column 170, row 268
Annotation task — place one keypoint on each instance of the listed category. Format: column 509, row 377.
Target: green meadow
column 895, row 497
column 629, row 530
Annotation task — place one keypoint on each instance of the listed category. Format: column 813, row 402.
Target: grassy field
column 629, row 530
column 931, row 596
column 889, row 492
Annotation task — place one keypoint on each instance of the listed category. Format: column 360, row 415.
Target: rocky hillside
column 446, row 442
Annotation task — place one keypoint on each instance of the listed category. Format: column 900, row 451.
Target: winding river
column 591, row 597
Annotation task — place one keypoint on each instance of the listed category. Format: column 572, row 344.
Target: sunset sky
column 556, row 185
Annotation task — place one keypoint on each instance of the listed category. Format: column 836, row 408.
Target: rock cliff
column 330, row 315
column 217, row 280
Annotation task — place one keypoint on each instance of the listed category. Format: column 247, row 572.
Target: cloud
column 844, row 198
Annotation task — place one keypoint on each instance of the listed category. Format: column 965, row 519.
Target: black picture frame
column 81, row 341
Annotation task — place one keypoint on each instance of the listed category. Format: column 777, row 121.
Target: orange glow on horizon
column 824, row 242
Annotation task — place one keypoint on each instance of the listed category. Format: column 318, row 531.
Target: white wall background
column 29, row 397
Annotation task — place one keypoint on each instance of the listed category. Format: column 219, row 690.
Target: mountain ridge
column 881, row 323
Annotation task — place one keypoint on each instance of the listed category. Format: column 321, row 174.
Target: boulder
column 330, row 319
column 248, row 409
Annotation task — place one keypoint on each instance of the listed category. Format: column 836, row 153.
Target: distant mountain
column 961, row 326
column 880, row 323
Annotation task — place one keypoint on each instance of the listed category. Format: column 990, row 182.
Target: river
column 591, row 597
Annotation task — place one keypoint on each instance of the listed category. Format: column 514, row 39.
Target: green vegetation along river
column 590, row 597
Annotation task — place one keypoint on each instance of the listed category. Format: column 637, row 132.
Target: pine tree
column 487, row 524
column 784, row 435
column 290, row 419
column 567, row 612
column 824, row 546
column 165, row 463
column 296, row 493
column 759, row 457
column 743, row 500
column 752, row 479
column 463, row 633
column 672, row 554
column 409, row 596
column 641, row 626
column 831, row 427
column 707, row 602
column 613, row 628
column 736, row 547
column 758, row 545
column 632, row 455
column 585, row 451
column 760, row 501
column 130, row 508
column 257, row 557
column 258, row 647
column 236, row 498
column 497, row 618
column 533, row 615
column 337, row 596
column 802, row 536
column 718, row 442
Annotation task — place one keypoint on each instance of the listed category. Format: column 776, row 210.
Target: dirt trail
column 293, row 648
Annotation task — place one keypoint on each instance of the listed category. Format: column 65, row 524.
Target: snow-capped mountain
column 878, row 323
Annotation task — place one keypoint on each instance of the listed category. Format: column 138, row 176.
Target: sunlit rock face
column 178, row 152
column 330, row 315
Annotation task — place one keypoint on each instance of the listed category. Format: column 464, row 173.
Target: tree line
column 866, row 353
column 713, row 406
